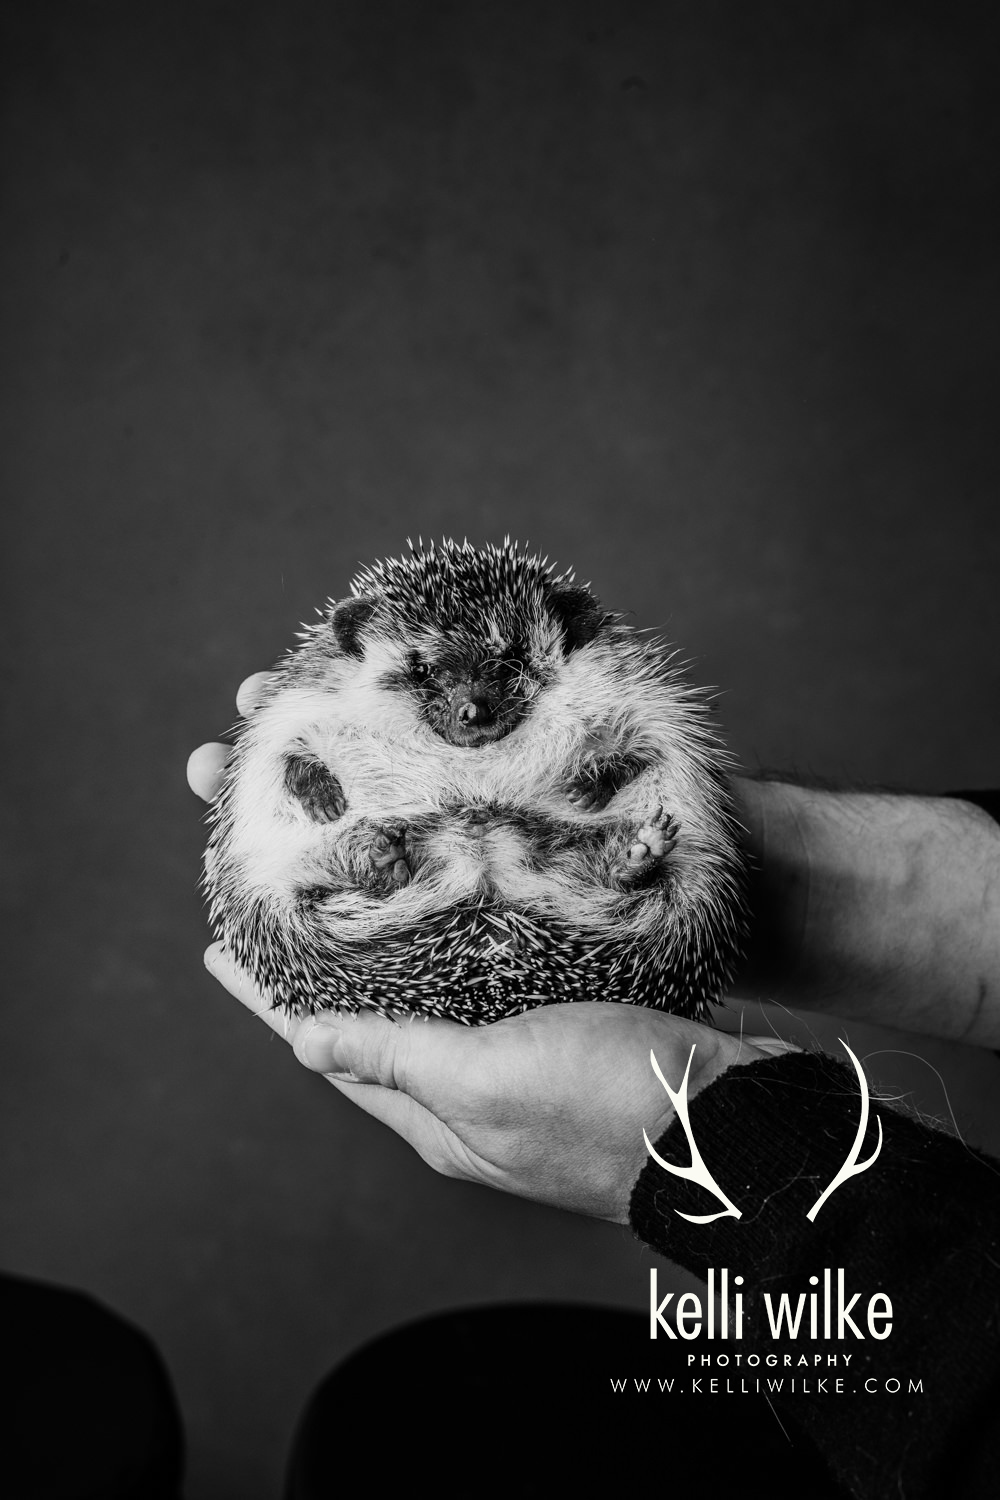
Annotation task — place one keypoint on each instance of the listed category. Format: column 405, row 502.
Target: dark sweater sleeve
column 922, row 1225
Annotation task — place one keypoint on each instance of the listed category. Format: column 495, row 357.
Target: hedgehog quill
column 469, row 790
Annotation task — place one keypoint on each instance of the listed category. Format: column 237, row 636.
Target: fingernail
column 334, row 1045
column 339, row 1067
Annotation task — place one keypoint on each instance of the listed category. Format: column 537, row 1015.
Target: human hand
column 550, row 1105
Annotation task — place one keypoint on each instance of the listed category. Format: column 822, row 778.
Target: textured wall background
column 699, row 298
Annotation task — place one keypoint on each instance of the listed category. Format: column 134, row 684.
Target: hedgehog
column 468, row 790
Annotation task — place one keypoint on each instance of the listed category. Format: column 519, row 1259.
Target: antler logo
column 852, row 1166
column 698, row 1171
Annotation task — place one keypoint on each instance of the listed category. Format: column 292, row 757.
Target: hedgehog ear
column 349, row 618
column 579, row 613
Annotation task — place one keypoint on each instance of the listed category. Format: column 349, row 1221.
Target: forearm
column 875, row 906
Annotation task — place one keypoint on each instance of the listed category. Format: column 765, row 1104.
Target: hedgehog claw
column 601, row 776
column 583, row 798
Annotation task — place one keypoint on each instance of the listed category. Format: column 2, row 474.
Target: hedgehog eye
column 421, row 671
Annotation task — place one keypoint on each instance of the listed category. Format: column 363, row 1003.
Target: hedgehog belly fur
column 581, row 847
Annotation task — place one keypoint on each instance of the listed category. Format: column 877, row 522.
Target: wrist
column 772, row 1134
column 722, row 1050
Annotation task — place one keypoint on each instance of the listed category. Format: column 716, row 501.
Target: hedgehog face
column 471, row 697
column 469, row 689
column 473, row 637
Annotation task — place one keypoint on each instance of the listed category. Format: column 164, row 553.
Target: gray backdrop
column 699, row 298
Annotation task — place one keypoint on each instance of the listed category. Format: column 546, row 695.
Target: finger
column 435, row 1141
column 221, row 966
column 206, row 770
column 425, row 1057
column 316, row 1047
column 410, row 1119
column 248, row 694
column 401, row 1113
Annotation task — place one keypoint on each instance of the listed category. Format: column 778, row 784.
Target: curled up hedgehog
column 470, row 790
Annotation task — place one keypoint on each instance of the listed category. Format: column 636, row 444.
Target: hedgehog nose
column 474, row 711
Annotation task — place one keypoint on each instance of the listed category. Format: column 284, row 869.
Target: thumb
column 409, row 1074
column 413, row 1055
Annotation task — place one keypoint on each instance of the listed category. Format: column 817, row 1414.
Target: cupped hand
column 550, row 1105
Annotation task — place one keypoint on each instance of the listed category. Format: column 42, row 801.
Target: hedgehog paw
column 654, row 842
column 315, row 788
column 601, row 779
column 589, row 795
column 388, row 855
